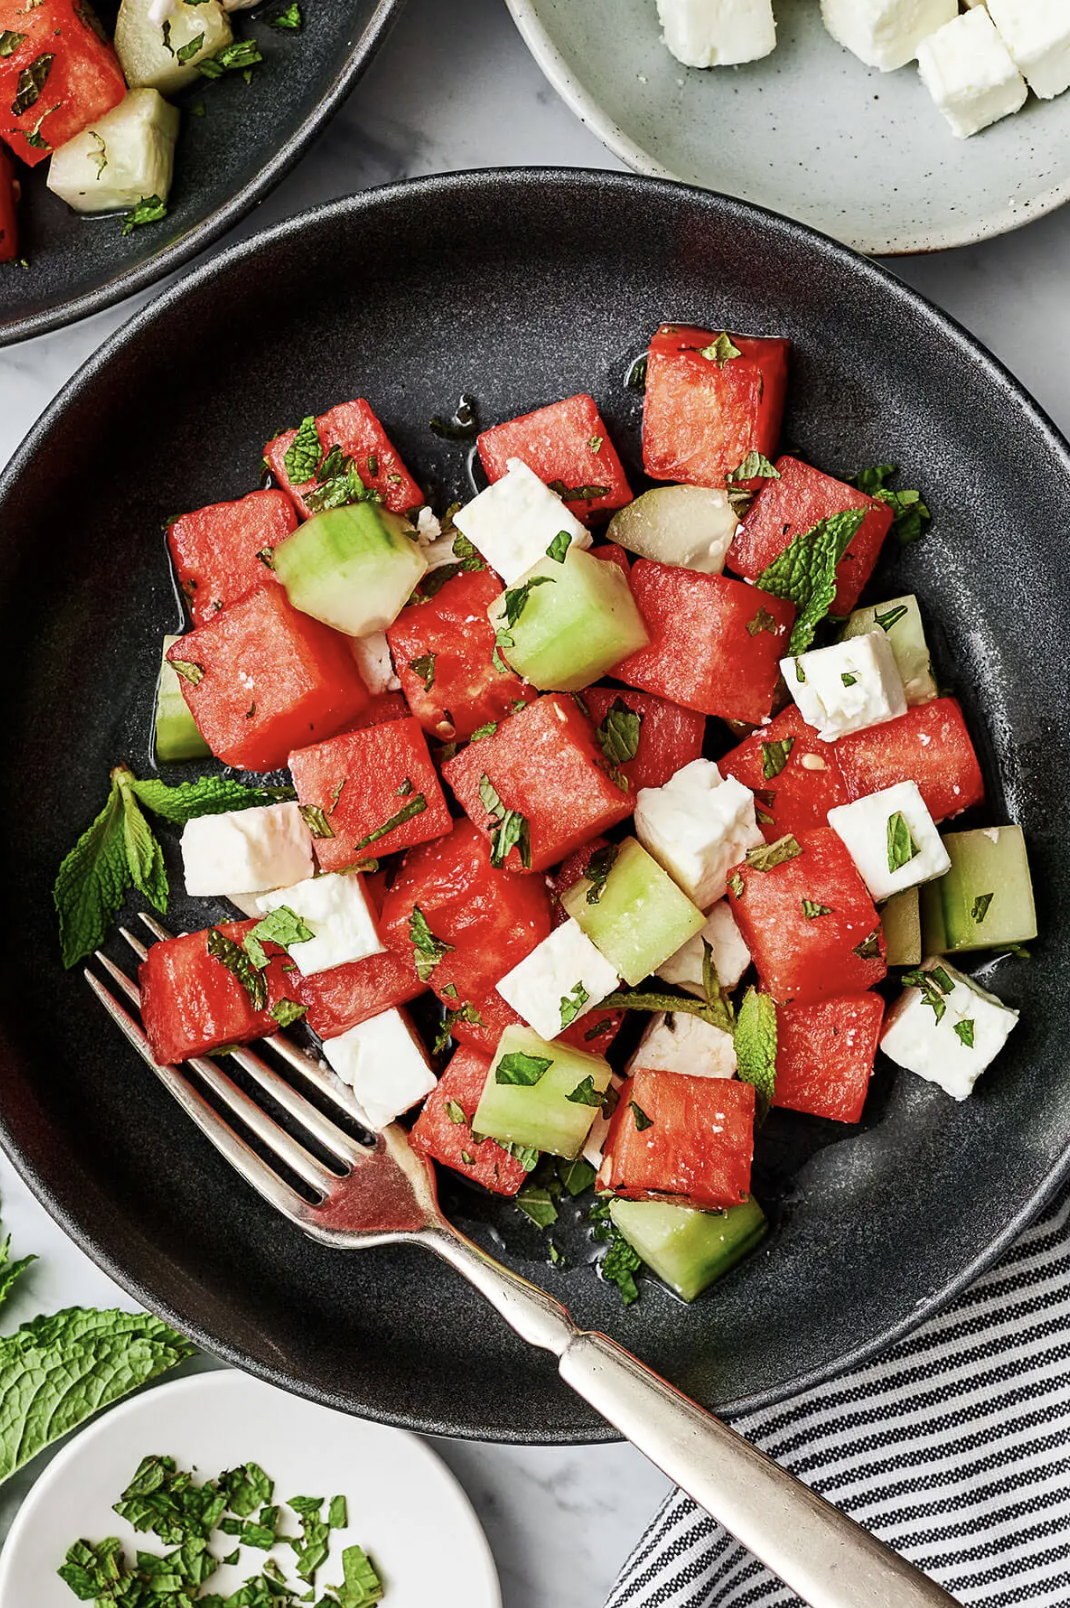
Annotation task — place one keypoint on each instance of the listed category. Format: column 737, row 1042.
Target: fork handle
column 824, row 1556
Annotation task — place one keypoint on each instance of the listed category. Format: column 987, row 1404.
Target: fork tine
column 128, row 986
column 135, row 943
column 154, row 926
column 339, row 1144
column 267, row 1130
column 311, row 1070
column 230, row 1145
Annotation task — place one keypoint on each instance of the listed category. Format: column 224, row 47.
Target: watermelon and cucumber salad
column 633, row 781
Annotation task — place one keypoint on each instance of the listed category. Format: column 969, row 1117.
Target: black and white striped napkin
column 954, row 1447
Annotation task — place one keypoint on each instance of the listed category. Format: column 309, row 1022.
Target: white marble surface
column 453, row 89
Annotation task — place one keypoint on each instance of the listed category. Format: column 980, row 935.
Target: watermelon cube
column 262, row 679
column 715, row 644
column 669, row 735
column 353, row 427
column 798, row 501
column 57, row 77
column 929, row 745
column 706, row 409
column 796, row 778
column 443, row 1130
column 680, row 1138
column 222, row 552
column 192, row 1003
column 377, row 789
column 825, row 1053
column 345, row 996
column 568, row 447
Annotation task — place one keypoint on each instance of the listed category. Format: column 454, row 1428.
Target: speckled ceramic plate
column 519, row 288
column 250, row 135
column 809, row 131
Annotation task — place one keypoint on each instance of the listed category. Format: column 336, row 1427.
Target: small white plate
column 808, row 132
column 405, row 1508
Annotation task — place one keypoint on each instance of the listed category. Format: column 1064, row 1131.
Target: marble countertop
column 454, row 88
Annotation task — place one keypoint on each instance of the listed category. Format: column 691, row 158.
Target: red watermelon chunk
column 825, row 1054
column 443, row 1130
column 60, row 70
column 680, row 1138
column 929, row 745
column 796, row 778
column 568, row 447
column 191, row 1003
column 353, row 427
column 222, row 552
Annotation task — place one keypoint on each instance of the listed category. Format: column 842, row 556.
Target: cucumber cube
column 125, row 155
column 986, row 900
column 901, row 919
column 164, row 55
column 689, row 526
column 353, row 568
column 177, row 736
column 638, row 916
column 900, row 620
column 577, row 619
column 687, row 1248
column 540, row 1113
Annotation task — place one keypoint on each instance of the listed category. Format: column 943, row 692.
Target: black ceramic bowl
column 520, row 288
column 227, row 160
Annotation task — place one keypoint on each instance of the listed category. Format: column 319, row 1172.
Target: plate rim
column 586, row 107
column 460, row 184
column 170, row 258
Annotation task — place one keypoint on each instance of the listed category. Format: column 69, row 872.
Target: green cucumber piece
column 150, row 57
column 177, row 736
column 687, row 1248
column 689, row 526
column 125, row 155
column 986, row 900
column 901, row 919
column 902, row 626
column 541, row 1115
column 578, row 620
column 353, row 568
column 639, row 917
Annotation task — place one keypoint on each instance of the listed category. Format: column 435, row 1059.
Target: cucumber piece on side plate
column 164, row 55
column 122, row 157
column 572, row 621
column 541, row 1095
column 177, row 736
column 687, row 1248
column 690, row 526
column 900, row 620
column 638, row 917
column 986, row 900
column 901, row 919
column 353, row 567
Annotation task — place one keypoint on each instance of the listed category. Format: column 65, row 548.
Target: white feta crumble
column 253, row 850
column 892, row 839
column 337, row 909
column 848, row 686
column 594, row 1144
column 514, row 521
column 717, row 33
column 969, row 73
column 1037, row 35
column 561, row 979
column 680, row 1042
column 885, row 33
column 384, row 1064
column 375, row 664
column 428, row 528
column 731, row 957
column 697, row 826
column 948, row 1030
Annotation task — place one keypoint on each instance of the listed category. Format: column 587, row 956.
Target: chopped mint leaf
column 522, row 1069
column 891, row 617
column 618, row 735
column 463, row 1013
column 600, row 1029
column 756, row 1047
column 512, row 829
column 620, row 1265
column 193, row 673
column 775, row 757
column 305, row 452
column 577, row 493
column 965, row 1032
column 720, row 351
column 576, row 1175
column 811, row 909
column 338, row 1513
column 314, row 1544
column 558, row 548
column 316, row 821
column 10, row 42
column 416, row 806
column 769, row 855
column 762, row 621
column 933, row 984
column 635, row 1000
column 455, row 1113
column 238, row 56
column 910, row 516
column 572, row 1005
column 538, row 1204
column 187, row 51
column 595, row 443
column 363, row 1586
column 901, row 846
column 585, row 1094
column 150, row 209
column 428, row 950
column 805, row 572
column 979, row 908
column 283, row 927
column 597, row 870
column 424, row 667
column 287, row 1011
column 871, row 481
column 235, row 959
column 755, row 466
column 289, row 18
column 636, row 376
column 31, row 82
column 642, row 1121
column 484, row 731
column 736, row 884
column 869, row 948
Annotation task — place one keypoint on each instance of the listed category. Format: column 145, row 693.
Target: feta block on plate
column 717, row 33
column 946, row 1028
column 252, row 850
column 384, row 1064
column 697, row 826
column 848, row 686
column 680, row 1042
column 561, row 979
column 968, row 71
column 892, row 839
column 514, row 521
column 337, row 909
column 731, row 957
column 885, row 33
column 1037, row 36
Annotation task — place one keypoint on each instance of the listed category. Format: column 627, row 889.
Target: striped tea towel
column 954, row 1447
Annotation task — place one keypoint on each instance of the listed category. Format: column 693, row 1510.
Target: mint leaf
column 92, row 882
column 805, row 572
column 811, row 909
column 464, row 1013
column 901, row 846
column 512, row 830
column 910, row 516
column 642, row 1121
column 620, row 1265
column 873, row 481
column 576, row 1175
column 618, row 735
column 10, row 42
column 238, row 56
column 9, row 1271
column 538, row 1204
column 756, row 1046
column 288, row 18
column 597, row 870
column 31, row 82
column 427, row 949
column 979, row 908
column 287, row 1011
column 558, row 548
column 775, row 757
column 208, row 795
column 586, row 1094
column 572, row 1004
column 235, row 959
column 150, row 209
column 755, row 466
column 424, row 667
column 283, row 927
column 305, row 453
column 767, row 856
column 144, row 857
column 363, row 1586
column 721, row 350
column 525, row 1070
column 416, row 806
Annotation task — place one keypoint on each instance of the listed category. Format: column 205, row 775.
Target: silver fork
column 383, row 1194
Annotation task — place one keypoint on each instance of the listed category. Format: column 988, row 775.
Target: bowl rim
column 459, row 186
column 127, row 282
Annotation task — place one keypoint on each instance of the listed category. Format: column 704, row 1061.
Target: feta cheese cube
column 594, row 1144
column 848, row 686
column 969, row 73
column 384, row 1064
column 717, row 33
column 337, row 909
column 731, row 956
column 697, row 826
column 561, row 979
column 681, row 1042
column 375, row 664
column 885, row 33
column 513, row 522
column 892, row 839
column 1037, row 36
column 253, row 850
column 948, row 1030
